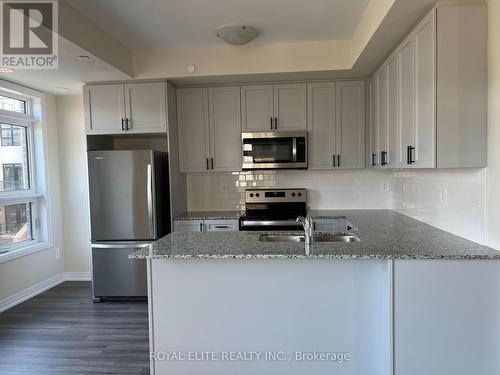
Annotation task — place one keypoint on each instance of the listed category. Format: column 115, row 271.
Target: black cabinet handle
column 333, row 160
column 272, row 124
column 201, row 225
column 373, row 159
column 383, row 157
column 276, row 123
column 126, row 124
column 338, row 160
column 410, row 155
column 123, row 124
column 207, row 165
column 212, row 161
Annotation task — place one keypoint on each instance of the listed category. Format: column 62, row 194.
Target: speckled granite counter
column 384, row 234
column 209, row 215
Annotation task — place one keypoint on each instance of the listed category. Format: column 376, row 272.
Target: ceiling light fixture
column 6, row 70
column 83, row 57
column 237, row 35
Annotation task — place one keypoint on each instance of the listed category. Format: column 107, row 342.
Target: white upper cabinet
column 437, row 77
column 274, row 107
column 104, row 109
column 424, row 154
column 225, row 128
column 350, row 124
column 125, row 108
column 145, row 107
column 193, row 125
column 336, row 122
column 209, row 129
column 321, row 125
column 406, row 101
column 290, row 106
column 257, row 108
column 372, row 126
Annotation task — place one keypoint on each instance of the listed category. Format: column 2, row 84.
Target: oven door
column 274, row 150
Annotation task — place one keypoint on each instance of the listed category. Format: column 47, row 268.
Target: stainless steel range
column 269, row 209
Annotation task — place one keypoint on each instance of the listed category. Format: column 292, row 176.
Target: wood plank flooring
column 62, row 332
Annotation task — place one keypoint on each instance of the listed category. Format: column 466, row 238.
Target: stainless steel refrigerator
column 129, row 209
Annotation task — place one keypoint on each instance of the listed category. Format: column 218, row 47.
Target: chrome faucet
column 307, row 223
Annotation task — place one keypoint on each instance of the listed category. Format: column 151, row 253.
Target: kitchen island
column 407, row 298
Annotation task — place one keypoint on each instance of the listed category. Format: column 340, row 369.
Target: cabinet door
column 381, row 119
column 257, row 108
column 222, row 225
column 392, row 112
column 188, row 225
column 145, row 107
column 321, row 125
column 225, row 128
column 290, row 106
column 192, row 118
column 406, row 101
column 350, row 124
column 104, row 109
column 425, row 93
column 372, row 129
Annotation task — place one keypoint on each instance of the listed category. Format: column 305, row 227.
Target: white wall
column 326, row 189
column 74, row 183
column 450, row 199
column 22, row 273
column 494, row 123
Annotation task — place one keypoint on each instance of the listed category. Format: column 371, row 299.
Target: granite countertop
column 209, row 215
column 384, row 234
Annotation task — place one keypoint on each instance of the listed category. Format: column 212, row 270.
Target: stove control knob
column 293, row 194
column 257, row 195
column 251, row 195
column 300, row 194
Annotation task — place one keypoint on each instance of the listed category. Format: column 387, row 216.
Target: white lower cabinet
column 224, row 225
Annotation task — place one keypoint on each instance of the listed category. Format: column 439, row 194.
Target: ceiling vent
column 237, row 35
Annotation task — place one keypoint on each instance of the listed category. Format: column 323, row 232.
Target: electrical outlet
column 58, row 252
column 443, row 195
column 385, row 186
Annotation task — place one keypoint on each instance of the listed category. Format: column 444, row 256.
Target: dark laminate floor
column 62, row 332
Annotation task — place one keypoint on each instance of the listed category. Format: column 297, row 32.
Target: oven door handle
column 294, row 150
column 283, row 223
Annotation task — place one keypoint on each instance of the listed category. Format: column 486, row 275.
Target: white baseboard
column 77, row 276
column 34, row 290
column 30, row 292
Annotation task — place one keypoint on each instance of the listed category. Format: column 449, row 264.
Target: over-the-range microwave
column 275, row 150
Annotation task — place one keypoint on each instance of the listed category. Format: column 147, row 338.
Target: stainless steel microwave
column 275, row 150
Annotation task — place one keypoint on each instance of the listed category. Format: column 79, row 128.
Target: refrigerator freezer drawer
column 115, row 275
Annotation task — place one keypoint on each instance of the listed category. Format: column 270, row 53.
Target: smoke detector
column 237, row 35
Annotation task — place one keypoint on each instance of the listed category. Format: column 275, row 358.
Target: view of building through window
column 12, row 105
column 15, row 223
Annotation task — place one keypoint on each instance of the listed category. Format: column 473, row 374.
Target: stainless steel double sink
column 317, row 237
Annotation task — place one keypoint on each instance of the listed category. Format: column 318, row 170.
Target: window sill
column 27, row 250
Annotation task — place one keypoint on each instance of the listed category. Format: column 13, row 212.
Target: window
column 11, row 135
column 23, row 204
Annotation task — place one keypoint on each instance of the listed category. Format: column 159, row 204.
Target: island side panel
column 446, row 317
column 276, row 305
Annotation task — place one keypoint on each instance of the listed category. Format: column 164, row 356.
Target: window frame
column 35, row 121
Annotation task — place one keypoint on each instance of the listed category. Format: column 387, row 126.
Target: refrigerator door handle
column 151, row 208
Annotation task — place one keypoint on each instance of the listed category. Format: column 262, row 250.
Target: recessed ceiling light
column 62, row 89
column 6, row 70
column 83, row 57
column 237, row 35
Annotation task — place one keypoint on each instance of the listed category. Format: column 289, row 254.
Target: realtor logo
column 29, row 34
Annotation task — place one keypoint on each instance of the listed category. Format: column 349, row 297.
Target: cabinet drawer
column 221, row 225
column 188, row 225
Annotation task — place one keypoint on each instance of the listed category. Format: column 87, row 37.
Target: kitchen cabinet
column 372, row 129
column 274, row 107
column 225, row 128
column 441, row 105
column 209, row 129
column 336, row 125
column 125, row 108
column 192, row 117
column 224, row 225
column 350, row 124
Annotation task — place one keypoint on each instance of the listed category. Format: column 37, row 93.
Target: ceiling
column 189, row 23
